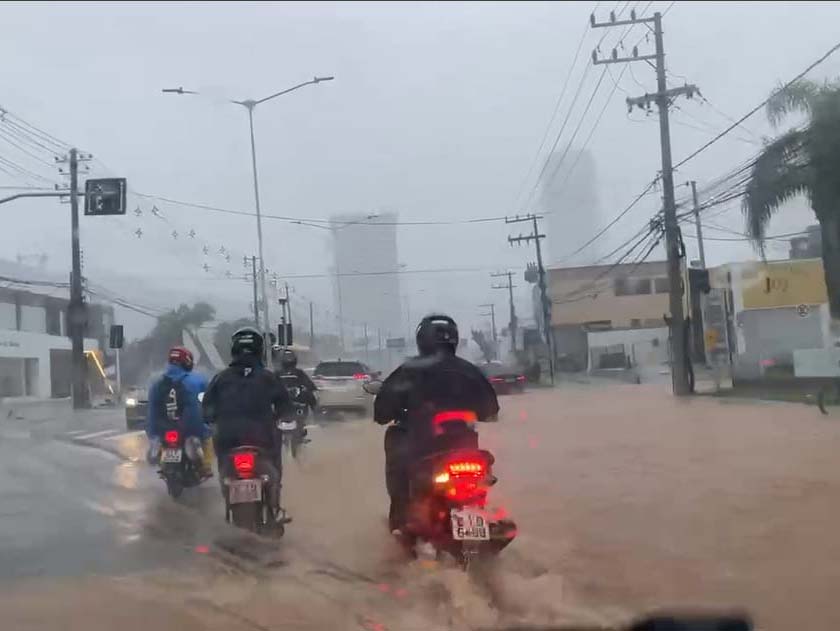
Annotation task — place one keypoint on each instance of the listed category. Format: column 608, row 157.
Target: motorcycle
column 247, row 501
column 293, row 430
column 180, row 459
column 447, row 506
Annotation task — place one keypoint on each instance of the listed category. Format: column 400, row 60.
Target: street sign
column 395, row 343
column 803, row 311
column 117, row 336
column 105, row 196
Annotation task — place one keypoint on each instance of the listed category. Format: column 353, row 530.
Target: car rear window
column 340, row 369
column 493, row 370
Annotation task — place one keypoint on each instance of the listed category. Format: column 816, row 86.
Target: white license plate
column 469, row 525
column 244, row 491
column 287, row 426
column 170, row 455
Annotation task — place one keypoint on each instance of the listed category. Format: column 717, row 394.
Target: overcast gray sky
column 436, row 112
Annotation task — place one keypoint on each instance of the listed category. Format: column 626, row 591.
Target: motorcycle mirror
column 372, row 387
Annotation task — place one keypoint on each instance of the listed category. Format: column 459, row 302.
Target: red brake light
column 171, row 437
column 244, row 464
column 360, row 376
column 496, row 380
column 472, row 468
column 468, row 416
column 520, row 377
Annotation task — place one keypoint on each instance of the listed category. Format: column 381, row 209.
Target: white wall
column 24, row 344
column 33, row 319
column 646, row 350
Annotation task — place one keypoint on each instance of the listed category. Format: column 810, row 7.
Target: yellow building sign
column 788, row 284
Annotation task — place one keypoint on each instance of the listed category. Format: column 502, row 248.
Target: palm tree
column 804, row 160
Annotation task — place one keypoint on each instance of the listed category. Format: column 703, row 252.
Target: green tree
column 144, row 356
column 488, row 349
column 804, row 160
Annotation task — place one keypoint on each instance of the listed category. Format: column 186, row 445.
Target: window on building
column 625, row 286
column 661, row 285
column 33, row 319
column 8, row 317
column 53, row 320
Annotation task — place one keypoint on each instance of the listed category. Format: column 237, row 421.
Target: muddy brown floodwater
column 627, row 500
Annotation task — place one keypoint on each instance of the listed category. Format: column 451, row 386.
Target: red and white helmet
column 181, row 356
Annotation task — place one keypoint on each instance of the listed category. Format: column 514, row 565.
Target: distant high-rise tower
column 570, row 202
column 366, row 282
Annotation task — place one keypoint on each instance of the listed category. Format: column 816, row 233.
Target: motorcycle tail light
column 171, row 437
column 472, row 468
column 446, row 416
column 244, row 464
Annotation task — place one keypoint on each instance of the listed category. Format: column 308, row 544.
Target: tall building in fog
column 366, row 284
column 570, row 202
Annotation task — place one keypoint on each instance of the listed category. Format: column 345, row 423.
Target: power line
column 708, row 144
column 556, row 109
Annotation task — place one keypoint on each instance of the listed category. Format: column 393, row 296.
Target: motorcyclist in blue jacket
column 174, row 397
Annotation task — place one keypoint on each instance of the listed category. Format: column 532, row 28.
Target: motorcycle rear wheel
column 174, row 488
column 246, row 516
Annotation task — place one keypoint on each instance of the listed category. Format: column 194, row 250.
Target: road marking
column 126, row 435
column 95, row 434
column 77, row 431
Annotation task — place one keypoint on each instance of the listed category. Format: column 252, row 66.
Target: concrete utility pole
column 697, row 224
column 256, row 295
column 512, row 322
column 536, row 237
column 311, row 326
column 673, row 240
column 492, row 315
column 76, row 310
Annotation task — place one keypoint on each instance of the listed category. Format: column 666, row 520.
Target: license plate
column 170, row 455
column 244, row 491
column 511, row 380
column 469, row 525
column 287, row 426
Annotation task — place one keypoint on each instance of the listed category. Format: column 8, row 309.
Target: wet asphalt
column 626, row 499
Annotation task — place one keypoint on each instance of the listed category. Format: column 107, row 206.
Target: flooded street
column 627, row 500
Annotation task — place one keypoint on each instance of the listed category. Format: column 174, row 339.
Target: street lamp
column 250, row 104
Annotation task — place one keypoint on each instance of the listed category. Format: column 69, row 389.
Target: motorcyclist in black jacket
column 288, row 369
column 244, row 402
column 437, row 379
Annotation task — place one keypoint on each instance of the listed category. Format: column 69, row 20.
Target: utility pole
column 512, row 322
column 492, row 315
column 367, row 356
column 662, row 99
column 697, row 224
column 77, row 312
column 536, row 237
column 311, row 326
column 256, row 299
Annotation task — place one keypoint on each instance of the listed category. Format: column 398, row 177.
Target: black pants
column 398, row 458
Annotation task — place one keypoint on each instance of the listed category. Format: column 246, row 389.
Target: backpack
column 171, row 400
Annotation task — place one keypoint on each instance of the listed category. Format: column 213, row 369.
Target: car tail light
column 496, row 380
column 244, row 464
column 361, row 376
column 171, row 437
column 520, row 377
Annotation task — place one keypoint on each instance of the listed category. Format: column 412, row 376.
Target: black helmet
column 435, row 332
column 288, row 359
column 247, row 340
